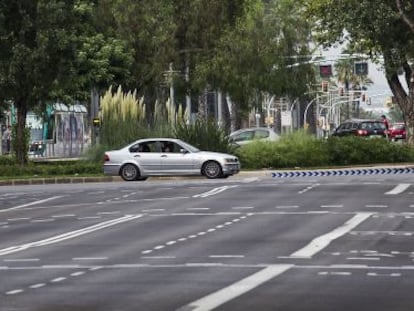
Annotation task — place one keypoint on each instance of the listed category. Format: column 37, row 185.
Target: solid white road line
column 236, row 289
column 398, row 189
column 68, row 235
column 319, row 243
column 32, row 203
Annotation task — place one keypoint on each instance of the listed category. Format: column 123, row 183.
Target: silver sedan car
column 248, row 135
column 167, row 157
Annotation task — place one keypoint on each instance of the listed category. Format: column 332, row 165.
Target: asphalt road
column 244, row 243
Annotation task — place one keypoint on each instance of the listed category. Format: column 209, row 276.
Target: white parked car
column 247, row 135
column 167, row 157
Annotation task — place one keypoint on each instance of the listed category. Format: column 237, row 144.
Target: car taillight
column 106, row 158
column 362, row 132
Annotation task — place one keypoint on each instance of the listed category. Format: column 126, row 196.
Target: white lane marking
column 376, row 206
column 158, row 257
column 62, row 216
column 226, row 256
column 32, row 203
column 21, row 260
column 242, row 207
column 286, row 206
column 37, row 285
column 79, row 273
column 323, row 241
column 89, row 258
column 362, row 258
column 14, row 292
column 332, row 206
column 334, row 273
column 57, row 280
column 68, row 235
column 18, row 219
column 197, row 208
column 42, row 220
column 234, row 290
column 213, row 191
column 398, row 189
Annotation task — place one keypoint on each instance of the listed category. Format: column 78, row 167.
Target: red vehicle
column 397, row 131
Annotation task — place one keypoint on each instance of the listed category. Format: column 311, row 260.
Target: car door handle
column 163, row 156
column 137, row 156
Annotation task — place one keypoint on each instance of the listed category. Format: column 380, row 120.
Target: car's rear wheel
column 130, row 172
column 212, row 169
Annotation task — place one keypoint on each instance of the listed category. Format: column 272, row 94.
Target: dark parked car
column 397, row 131
column 361, row 127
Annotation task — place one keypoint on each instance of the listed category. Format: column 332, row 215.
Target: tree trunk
column 403, row 99
column 21, row 137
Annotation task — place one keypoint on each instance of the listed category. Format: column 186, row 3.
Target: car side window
column 248, row 135
column 171, row 147
column 143, row 147
column 261, row 134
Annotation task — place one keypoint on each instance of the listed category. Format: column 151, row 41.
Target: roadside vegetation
column 297, row 150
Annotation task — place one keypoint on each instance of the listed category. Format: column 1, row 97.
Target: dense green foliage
column 292, row 151
column 304, row 151
column 48, row 169
column 204, row 135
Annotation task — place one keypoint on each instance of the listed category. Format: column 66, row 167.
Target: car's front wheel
column 129, row 172
column 212, row 169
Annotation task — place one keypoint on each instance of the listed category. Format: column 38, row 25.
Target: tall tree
column 50, row 49
column 383, row 31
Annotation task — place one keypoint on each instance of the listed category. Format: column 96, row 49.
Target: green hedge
column 296, row 150
column 302, row 150
column 49, row 169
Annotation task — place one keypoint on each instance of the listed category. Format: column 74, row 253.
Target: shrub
column 205, row 135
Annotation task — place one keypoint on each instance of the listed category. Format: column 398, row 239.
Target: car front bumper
column 231, row 169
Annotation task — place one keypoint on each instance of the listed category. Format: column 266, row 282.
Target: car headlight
column 231, row 160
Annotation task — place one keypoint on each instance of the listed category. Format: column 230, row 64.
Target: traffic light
column 325, row 86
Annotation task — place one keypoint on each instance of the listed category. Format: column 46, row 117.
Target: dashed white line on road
column 21, row 260
column 39, row 285
column 363, row 258
column 14, row 292
column 226, row 256
column 89, row 258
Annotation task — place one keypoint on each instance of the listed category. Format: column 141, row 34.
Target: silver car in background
column 167, row 157
column 247, row 135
